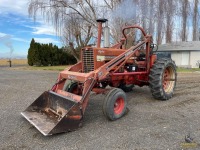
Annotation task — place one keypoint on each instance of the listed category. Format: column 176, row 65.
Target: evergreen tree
column 48, row 54
column 30, row 52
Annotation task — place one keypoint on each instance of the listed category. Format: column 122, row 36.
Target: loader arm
column 104, row 70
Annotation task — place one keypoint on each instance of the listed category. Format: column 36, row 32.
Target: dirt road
column 150, row 124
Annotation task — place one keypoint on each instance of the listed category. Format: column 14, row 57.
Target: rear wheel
column 162, row 79
column 115, row 104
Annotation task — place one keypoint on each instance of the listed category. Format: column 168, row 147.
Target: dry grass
column 52, row 68
column 188, row 69
column 4, row 62
column 48, row 68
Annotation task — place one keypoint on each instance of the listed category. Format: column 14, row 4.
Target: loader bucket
column 52, row 113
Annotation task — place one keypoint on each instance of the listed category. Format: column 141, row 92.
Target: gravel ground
column 150, row 124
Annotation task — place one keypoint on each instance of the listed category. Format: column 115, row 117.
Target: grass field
column 187, row 69
column 53, row 68
column 4, row 62
column 50, row 68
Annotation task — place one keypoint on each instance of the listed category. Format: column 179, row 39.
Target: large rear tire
column 162, row 79
column 115, row 104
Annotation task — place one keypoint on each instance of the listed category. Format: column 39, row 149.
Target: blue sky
column 17, row 29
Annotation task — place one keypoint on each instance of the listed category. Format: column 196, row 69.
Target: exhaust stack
column 100, row 22
column 106, row 35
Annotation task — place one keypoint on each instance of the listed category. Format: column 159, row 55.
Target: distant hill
column 13, row 56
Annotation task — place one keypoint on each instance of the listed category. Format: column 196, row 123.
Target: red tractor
column 109, row 70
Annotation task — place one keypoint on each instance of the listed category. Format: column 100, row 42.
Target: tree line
column 75, row 21
column 48, row 54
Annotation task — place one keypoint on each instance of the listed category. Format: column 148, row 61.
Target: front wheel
column 162, row 79
column 115, row 104
column 72, row 87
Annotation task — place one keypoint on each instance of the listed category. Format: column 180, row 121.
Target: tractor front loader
column 104, row 70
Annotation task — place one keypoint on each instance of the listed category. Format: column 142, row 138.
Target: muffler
column 53, row 113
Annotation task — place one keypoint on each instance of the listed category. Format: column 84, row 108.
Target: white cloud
column 16, row 6
column 46, row 40
column 21, row 40
column 21, row 8
column 2, row 34
column 44, row 29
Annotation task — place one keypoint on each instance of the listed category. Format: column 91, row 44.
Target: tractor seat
column 141, row 57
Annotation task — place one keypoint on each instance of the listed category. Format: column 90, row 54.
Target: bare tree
column 170, row 10
column 151, row 16
column 144, row 10
column 74, row 20
column 195, row 20
column 160, row 21
column 185, row 11
column 76, row 34
column 124, row 13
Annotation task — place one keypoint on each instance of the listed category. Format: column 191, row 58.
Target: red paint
column 108, row 66
column 119, row 106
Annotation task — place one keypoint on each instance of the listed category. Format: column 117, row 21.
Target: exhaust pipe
column 106, row 35
column 100, row 22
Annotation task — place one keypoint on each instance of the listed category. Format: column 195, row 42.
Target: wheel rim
column 119, row 106
column 75, row 90
column 168, row 79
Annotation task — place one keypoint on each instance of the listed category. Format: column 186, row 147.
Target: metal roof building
column 185, row 54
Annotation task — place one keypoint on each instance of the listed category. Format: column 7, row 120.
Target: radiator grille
column 88, row 60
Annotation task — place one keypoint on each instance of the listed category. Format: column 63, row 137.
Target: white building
column 185, row 54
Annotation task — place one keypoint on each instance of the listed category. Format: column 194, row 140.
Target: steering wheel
column 132, row 27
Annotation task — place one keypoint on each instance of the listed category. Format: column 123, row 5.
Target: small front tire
column 115, row 104
column 72, row 87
